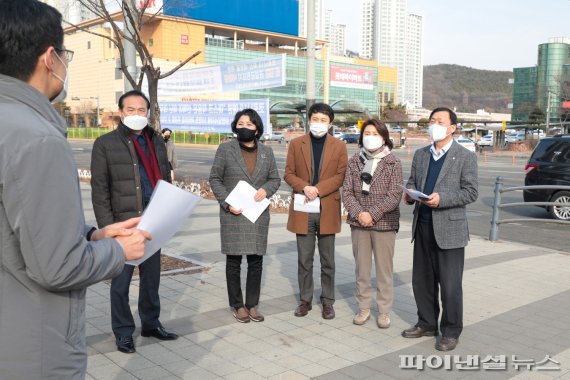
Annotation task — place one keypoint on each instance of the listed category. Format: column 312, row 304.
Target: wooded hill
column 466, row 88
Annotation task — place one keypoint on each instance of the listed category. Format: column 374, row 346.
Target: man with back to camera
column 316, row 164
column 48, row 255
column 447, row 172
column 126, row 165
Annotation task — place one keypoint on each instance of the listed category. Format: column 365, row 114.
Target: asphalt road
column 195, row 162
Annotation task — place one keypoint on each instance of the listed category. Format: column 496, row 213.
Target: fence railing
column 499, row 190
column 183, row 137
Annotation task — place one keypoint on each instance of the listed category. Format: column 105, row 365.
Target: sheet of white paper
column 313, row 206
column 241, row 197
column 415, row 194
column 168, row 209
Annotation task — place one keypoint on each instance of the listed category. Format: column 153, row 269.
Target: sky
column 483, row 34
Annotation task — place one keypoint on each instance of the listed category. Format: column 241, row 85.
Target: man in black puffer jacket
column 126, row 164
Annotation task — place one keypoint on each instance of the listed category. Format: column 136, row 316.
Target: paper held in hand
column 416, row 195
column 241, row 197
column 301, row 204
column 167, row 211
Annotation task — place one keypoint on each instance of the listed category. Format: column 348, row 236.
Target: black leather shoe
column 446, row 344
column 418, row 332
column 125, row 344
column 160, row 333
column 328, row 311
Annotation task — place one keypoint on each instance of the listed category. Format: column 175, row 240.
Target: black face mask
column 245, row 135
column 166, row 138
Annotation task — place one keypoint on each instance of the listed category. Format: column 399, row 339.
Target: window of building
column 88, row 45
column 117, row 96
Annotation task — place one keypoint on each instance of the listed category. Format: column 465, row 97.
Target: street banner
column 209, row 116
column 266, row 72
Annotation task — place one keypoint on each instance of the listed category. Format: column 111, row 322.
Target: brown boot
column 241, row 315
column 303, row 309
column 255, row 316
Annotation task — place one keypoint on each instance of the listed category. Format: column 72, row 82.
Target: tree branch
column 168, row 73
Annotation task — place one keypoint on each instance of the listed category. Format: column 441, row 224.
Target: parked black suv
column 549, row 164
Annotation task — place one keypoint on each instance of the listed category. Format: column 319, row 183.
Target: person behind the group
column 316, row 163
column 372, row 191
column 244, row 159
column 126, row 165
column 48, row 255
column 170, row 151
column 447, row 172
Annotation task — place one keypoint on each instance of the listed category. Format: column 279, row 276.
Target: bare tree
column 134, row 13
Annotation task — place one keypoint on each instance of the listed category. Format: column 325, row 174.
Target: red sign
column 184, row 39
column 566, row 104
column 149, row 3
column 352, row 77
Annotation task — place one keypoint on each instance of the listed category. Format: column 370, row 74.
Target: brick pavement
column 517, row 302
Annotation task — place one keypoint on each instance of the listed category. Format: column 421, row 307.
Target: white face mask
column 437, row 132
column 135, row 122
column 319, row 129
column 372, row 142
column 63, row 93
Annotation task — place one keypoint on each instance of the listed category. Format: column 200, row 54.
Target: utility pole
column 548, row 113
column 129, row 48
column 310, row 97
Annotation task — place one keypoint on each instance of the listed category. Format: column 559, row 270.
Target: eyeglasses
column 68, row 53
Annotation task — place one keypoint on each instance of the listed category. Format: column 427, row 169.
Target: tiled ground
column 517, row 302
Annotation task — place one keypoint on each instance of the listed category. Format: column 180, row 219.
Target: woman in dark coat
column 244, row 159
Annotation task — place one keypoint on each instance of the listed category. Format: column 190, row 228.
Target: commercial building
column 337, row 41
column 546, row 85
column 349, row 83
column 394, row 38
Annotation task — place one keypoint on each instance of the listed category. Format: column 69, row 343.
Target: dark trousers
column 253, row 281
column 149, row 302
column 306, row 252
column 434, row 268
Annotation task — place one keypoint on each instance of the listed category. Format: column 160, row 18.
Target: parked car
column 516, row 137
column 275, row 136
column 486, row 140
column 337, row 134
column 549, row 164
column 349, row 138
column 466, row 142
column 537, row 132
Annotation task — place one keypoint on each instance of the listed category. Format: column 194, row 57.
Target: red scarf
column 150, row 164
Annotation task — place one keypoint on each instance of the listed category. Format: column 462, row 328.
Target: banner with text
column 247, row 75
column 209, row 116
column 352, row 77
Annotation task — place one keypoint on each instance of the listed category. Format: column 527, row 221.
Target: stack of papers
column 168, row 209
column 416, row 195
column 241, row 197
column 302, row 204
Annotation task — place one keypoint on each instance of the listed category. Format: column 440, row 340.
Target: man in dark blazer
column 126, row 164
column 447, row 172
column 316, row 164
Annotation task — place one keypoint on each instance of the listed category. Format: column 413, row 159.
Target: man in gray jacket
column 46, row 258
column 447, row 173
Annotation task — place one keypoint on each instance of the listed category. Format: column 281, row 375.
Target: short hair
column 452, row 115
column 133, row 93
column 321, row 108
column 166, row 130
column 380, row 128
column 27, row 29
column 253, row 117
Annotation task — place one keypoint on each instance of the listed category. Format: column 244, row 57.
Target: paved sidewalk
column 516, row 297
